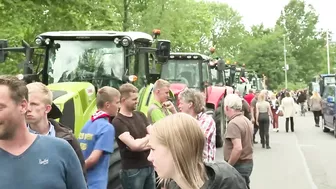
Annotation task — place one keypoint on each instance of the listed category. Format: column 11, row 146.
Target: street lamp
column 328, row 59
column 285, row 60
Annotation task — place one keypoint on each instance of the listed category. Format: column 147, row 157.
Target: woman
column 274, row 107
column 177, row 144
column 288, row 108
column 316, row 107
column 263, row 114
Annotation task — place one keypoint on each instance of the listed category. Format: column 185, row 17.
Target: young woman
column 288, row 108
column 275, row 106
column 263, row 114
column 316, row 107
column 177, row 143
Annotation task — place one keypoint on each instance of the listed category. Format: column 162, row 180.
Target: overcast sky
column 268, row 11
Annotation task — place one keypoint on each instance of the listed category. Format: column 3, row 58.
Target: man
column 192, row 102
column 253, row 115
column 246, row 107
column 160, row 107
column 249, row 97
column 238, row 150
column 29, row 160
column 132, row 137
column 40, row 102
column 97, row 138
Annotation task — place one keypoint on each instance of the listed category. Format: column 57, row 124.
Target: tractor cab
column 187, row 70
column 192, row 70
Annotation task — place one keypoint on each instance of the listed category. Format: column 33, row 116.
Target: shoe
column 277, row 130
column 268, row 147
column 263, row 145
column 255, row 142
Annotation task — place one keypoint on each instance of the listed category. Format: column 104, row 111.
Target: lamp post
column 328, row 58
column 285, row 60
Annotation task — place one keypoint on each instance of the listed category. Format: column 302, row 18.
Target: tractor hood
column 176, row 88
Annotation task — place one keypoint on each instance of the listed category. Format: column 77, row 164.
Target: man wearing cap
column 40, row 104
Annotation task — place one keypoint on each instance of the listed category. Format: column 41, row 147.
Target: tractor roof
column 104, row 34
column 185, row 54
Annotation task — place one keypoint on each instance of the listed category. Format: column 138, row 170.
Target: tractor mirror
column 3, row 53
column 221, row 65
column 162, row 50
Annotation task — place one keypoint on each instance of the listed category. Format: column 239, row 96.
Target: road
column 305, row 159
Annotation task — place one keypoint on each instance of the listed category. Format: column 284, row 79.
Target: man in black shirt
column 132, row 138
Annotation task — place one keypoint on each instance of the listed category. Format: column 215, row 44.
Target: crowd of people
column 169, row 147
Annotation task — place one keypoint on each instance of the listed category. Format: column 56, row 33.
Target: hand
column 252, row 120
column 169, row 105
column 257, row 123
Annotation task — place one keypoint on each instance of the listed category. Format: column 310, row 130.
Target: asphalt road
column 305, row 159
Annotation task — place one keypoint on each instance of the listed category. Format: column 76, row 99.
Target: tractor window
column 181, row 71
column 98, row 62
column 205, row 72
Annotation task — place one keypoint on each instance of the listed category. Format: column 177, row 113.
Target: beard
column 7, row 130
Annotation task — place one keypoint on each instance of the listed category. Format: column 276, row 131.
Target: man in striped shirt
column 192, row 102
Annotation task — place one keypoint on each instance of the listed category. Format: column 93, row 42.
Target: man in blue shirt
column 40, row 104
column 97, row 138
column 30, row 160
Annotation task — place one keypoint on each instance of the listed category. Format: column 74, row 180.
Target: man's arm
column 134, row 144
column 236, row 151
column 104, row 144
column 74, row 176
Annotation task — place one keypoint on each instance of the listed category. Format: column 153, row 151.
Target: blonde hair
column 195, row 97
column 316, row 95
column 38, row 87
column 106, row 94
column 262, row 97
column 160, row 83
column 182, row 135
column 126, row 89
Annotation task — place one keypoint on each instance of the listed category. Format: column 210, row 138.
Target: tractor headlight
column 39, row 41
column 126, row 41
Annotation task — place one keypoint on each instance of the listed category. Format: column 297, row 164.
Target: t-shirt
column 249, row 97
column 97, row 135
column 49, row 163
column 262, row 106
column 156, row 112
column 239, row 127
column 136, row 126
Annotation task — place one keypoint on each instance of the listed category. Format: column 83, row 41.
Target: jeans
column 317, row 115
column 264, row 124
column 143, row 178
column 245, row 170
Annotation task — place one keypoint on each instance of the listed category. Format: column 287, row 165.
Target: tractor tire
column 114, row 181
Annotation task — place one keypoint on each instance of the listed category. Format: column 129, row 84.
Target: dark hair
column 287, row 94
column 17, row 88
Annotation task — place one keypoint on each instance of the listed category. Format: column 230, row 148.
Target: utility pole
column 328, row 59
column 285, row 60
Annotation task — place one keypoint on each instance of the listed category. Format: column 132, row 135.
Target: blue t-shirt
column 97, row 135
column 49, row 163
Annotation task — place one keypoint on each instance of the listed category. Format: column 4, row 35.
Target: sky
column 268, row 11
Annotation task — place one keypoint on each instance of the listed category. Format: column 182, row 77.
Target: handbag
column 280, row 112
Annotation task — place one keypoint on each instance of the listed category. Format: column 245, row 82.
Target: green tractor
column 76, row 63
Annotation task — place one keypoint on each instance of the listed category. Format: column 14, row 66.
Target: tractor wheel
column 114, row 168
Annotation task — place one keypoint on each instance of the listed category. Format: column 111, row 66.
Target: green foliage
column 190, row 25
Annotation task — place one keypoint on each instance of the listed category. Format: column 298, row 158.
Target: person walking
column 316, row 107
column 263, row 114
column 275, row 104
column 288, row 108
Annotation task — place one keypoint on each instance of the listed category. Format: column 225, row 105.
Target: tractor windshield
column 98, row 62
column 182, row 71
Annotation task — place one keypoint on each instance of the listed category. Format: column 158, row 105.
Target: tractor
column 76, row 63
column 191, row 70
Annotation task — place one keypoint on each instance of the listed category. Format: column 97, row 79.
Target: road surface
column 305, row 159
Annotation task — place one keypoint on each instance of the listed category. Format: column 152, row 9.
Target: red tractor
column 192, row 70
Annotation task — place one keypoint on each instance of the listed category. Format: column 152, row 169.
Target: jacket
column 66, row 133
column 221, row 175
